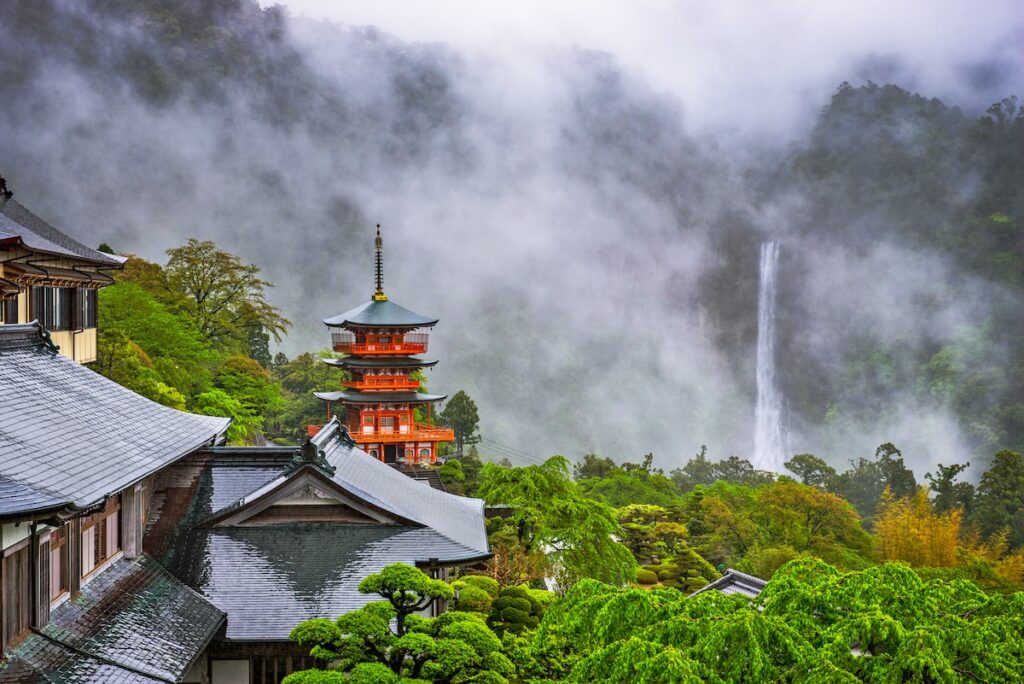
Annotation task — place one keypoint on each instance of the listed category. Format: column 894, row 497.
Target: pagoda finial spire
column 379, row 295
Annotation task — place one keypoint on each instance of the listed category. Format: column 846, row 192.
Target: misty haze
column 584, row 209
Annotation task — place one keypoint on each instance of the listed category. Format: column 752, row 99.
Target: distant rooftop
column 16, row 221
column 735, row 582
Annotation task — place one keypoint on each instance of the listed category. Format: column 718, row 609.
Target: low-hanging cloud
column 558, row 208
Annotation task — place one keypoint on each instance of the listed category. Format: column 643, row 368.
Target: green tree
column 460, row 415
column 171, row 340
column 224, row 295
column 697, row 471
column 863, row 484
column 549, row 512
column 741, row 471
column 624, row 486
column 950, row 494
column 811, row 623
column 593, row 466
column 244, row 423
column 248, row 382
column 999, row 504
column 811, row 470
column 453, row 647
column 123, row 361
column 514, row 610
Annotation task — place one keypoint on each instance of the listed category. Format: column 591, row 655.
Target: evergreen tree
column 460, row 415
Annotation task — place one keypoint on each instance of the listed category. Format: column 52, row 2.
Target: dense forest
column 898, row 214
column 926, row 587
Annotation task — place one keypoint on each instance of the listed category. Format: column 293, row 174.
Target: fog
column 553, row 185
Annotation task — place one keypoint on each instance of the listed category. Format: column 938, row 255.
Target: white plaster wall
column 229, row 672
column 13, row 534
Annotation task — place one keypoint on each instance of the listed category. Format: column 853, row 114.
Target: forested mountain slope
column 594, row 265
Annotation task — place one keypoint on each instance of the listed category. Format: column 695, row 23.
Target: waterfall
column 769, row 442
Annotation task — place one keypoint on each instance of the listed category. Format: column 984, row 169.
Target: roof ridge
column 17, row 336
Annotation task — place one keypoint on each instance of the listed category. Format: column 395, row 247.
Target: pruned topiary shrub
column 645, row 576
column 514, row 611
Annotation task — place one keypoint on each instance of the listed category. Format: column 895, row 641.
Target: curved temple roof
column 458, row 518
column 380, row 397
column 358, row 363
column 72, row 436
column 380, row 313
column 38, row 235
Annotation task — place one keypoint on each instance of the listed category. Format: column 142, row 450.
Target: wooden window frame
column 100, row 536
column 59, row 541
column 9, row 310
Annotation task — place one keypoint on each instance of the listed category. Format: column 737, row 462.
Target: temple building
column 80, row 600
column 49, row 277
column 382, row 399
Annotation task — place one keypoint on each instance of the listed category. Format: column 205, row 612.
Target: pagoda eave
column 381, row 397
column 361, row 363
column 380, row 314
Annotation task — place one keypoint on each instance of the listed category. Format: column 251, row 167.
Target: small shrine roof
column 380, row 397
column 71, row 436
column 380, row 314
column 360, row 362
column 735, row 582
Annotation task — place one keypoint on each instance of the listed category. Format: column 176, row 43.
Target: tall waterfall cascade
column 769, row 438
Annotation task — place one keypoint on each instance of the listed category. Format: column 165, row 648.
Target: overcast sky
column 737, row 65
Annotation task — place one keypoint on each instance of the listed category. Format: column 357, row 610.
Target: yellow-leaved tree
column 910, row 530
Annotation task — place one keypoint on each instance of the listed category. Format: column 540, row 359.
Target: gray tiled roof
column 735, row 582
column 380, row 313
column 70, row 434
column 17, row 498
column 269, row 579
column 459, row 518
column 134, row 622
column 39, row 235
column 37, row 660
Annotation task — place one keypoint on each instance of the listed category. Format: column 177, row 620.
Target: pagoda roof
column 358, row 363
column 70, row 437
column 380, row 313
column 39, row 236
column 380, row 397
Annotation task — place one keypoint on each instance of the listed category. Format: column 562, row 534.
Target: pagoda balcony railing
column 421, row 433
column 383, row 383
column 411, row 343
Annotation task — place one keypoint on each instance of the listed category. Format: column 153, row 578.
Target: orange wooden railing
column 422, row 433
column 385, row 382
column 411, row 343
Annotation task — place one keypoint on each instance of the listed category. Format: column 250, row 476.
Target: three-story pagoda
column 382, row 341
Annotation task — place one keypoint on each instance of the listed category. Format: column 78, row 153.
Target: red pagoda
column 381, row 340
